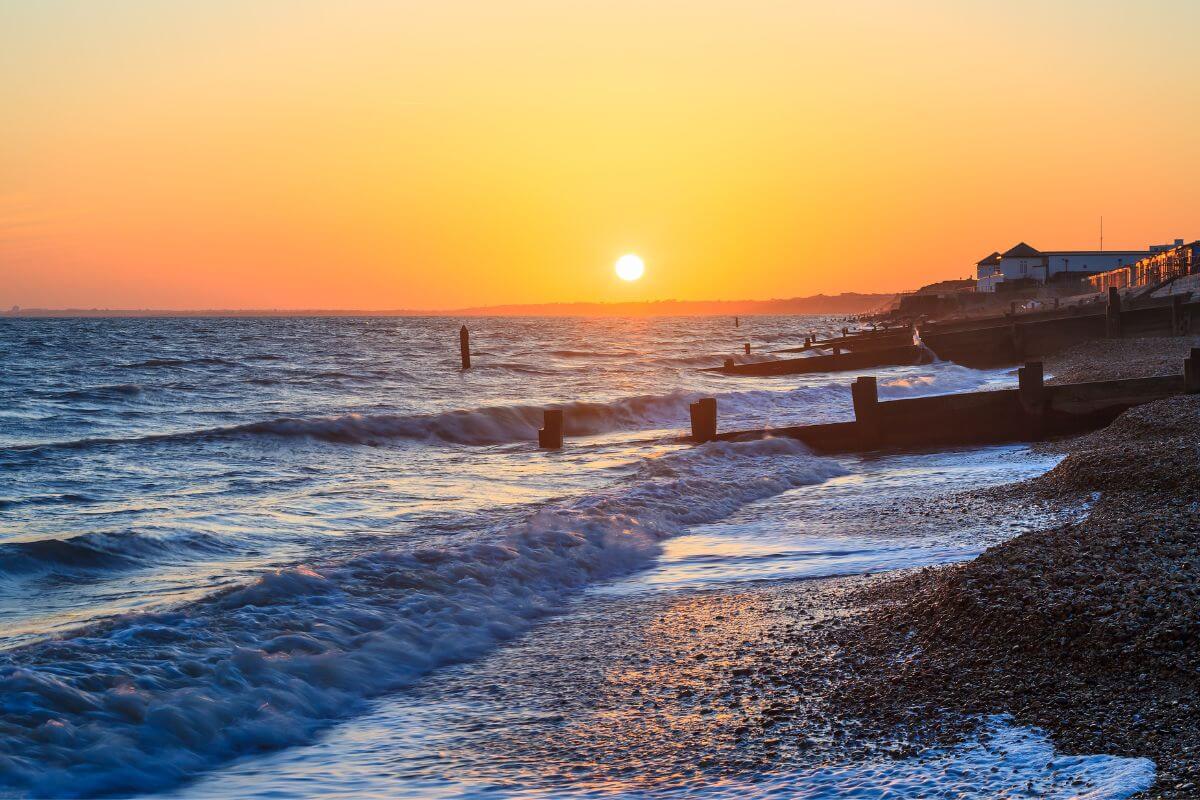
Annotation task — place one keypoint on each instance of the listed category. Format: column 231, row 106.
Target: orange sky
column 438, row 154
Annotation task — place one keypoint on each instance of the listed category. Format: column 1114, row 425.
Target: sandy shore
column 1089, row 630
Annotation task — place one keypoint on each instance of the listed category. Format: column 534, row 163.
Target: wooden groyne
column 1013, row 338
column 864, row 359
column 1030, row 412
column 860, row 340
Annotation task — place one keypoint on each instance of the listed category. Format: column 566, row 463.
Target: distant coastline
column 845, row 303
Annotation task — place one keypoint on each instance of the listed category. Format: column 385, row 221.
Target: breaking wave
column 150, row 700
column 519, row 423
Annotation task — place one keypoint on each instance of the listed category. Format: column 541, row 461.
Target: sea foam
column 150, row 700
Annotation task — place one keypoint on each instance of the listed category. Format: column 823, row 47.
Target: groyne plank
column 892, row 356
column 855, row 343
column 974, row 418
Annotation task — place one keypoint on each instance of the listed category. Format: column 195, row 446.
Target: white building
column 1042, row 266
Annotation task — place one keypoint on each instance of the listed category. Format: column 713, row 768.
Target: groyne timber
column 1033, row 411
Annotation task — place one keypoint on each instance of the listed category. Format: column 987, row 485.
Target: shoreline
column 1085, row 630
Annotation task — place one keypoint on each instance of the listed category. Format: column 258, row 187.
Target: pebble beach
column 1087, row 630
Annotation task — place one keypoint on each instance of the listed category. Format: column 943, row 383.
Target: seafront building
column 1023, row 265
column 1168, row 263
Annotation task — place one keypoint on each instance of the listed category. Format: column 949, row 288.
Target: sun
column 630, row 267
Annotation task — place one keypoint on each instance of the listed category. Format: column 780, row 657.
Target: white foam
column 146, row 702
column 1007, row 762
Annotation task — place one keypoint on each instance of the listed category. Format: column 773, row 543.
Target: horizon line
column 478, row 310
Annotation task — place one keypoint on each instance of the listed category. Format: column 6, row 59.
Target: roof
column 1022, row 250
column 994, row 258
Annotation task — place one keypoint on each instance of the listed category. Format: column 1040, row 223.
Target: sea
column 312, row 557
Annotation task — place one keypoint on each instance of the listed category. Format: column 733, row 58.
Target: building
column 1053, row 266
column 1163, row 264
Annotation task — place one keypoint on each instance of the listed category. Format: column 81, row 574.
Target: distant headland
column 845, row 303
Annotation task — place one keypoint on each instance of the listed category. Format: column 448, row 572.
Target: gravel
column 1090, row 630
column 1116, row 359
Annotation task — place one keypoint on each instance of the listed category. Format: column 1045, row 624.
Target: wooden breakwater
column 859, row 340
column 1013, row 338
column 1030, row 412
column 863, row 359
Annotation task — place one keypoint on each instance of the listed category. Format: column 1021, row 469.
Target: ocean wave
column 480, row 426
column 100, row 552
column 940, row 378
column 519, row 423
column 151, row 700
column 714, row 359
column 519, row 369
column 591, row 353
column 181, row 362
column 65, row 498
column 117, row 391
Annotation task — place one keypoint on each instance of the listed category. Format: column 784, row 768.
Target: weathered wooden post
column 704, row 419
column 464, row 346
column 550, row 437
column 837, row 350
column 807, row 341
column 1016, row 340
column 1177, row 315
column 865, row 394
column 1112, row 315
column 737, row 323
column 1032, row 395
column 1191, row 372
column 845, row 332
column 729, row 363
column 747, row 348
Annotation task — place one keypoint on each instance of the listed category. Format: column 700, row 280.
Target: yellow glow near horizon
column 630, row 267
column 382, row 154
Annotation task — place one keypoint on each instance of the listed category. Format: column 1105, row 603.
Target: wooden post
column 550, row 437
column 865, row 394
column 1112, row 315
column 464, row 346
column 1177, row 315
column 1030, row 383
column 747, row 348
column 1016, row 339
column 704, row 419
column 737, row 323
column 1191, row 372
column 845, row 332
column 807, row 341
column 729, row 363
column 1031, row 393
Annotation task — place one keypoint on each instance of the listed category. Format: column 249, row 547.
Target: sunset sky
column 255, row 154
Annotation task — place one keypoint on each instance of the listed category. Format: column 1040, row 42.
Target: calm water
column 233, row 550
